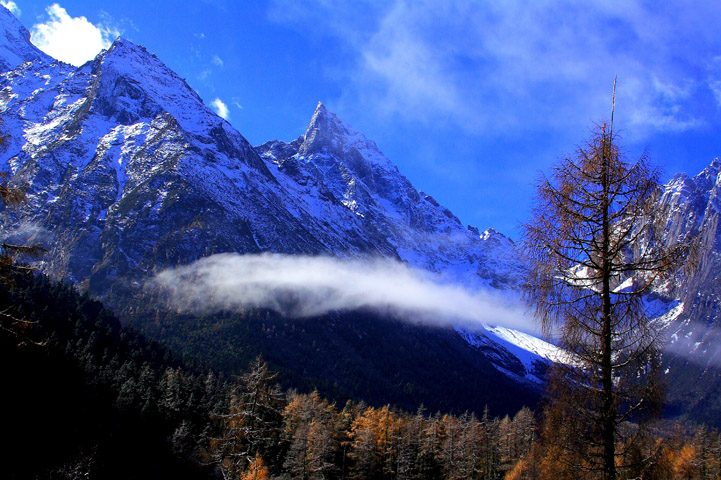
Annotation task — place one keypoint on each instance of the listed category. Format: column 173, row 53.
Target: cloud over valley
column 305, row 286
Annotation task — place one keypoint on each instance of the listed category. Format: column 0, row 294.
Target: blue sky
column 470, row 99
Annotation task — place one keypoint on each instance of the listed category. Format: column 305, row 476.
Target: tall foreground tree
column 594, row 247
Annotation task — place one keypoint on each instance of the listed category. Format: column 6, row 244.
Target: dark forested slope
column 84, row 397
column 357, row 355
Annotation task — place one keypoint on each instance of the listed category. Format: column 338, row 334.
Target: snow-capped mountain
column 128, row 172
column 332, row 160
column 121, row 155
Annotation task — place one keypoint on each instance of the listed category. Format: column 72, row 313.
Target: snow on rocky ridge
column 15, row 43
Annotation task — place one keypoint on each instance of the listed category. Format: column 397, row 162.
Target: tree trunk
column 608, row 417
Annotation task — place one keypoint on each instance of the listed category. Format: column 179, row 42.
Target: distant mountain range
column 128, row 172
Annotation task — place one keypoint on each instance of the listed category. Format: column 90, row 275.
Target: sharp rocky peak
column 709, row 176
column 129, row 59
column 325, row 133
column 124, row 48
column 328, row 134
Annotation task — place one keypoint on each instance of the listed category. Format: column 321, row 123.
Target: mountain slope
column 15, row 43
column 83, row 395
column 692, row 207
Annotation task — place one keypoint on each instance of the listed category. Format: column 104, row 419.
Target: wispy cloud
column 498, row 66
column 220, row 108
column 74, row 40
column 696, row 343
column 301, row 286
column 715, row 86
column 217, row 61
column 12, row 6
column 236, row 103
column 28, row 233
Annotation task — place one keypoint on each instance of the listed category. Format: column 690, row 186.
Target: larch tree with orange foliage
column 594, row 246
column 256, row 470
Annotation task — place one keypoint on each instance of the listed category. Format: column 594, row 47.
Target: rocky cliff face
column 692, row 206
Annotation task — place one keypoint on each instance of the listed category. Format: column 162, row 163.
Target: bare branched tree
column 595, row 250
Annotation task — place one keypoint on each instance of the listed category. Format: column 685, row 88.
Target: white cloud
column 12, row 6
column 495, row 67
column 220, row 108
column 217, row 61
column 301, row 286
column 71, row 39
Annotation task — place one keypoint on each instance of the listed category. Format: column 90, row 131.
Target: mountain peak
column 330, row 135
column 123, row 43
column 709, row 176
column 15, row 45
column 136, row 83
column 122, row 47
column 715, row 167
column 324, row 128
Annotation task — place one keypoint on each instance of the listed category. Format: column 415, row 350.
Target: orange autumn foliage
column 256, row 470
